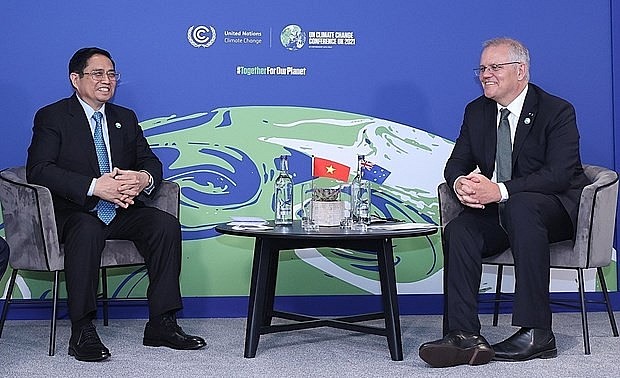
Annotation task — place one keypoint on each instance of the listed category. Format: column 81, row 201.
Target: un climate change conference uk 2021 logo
column 293, row 37
column 201, row 35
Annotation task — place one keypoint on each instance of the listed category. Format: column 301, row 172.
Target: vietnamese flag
column 327, row 168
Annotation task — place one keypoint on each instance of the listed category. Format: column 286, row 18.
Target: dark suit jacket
column 62, row 153
column 545, row 155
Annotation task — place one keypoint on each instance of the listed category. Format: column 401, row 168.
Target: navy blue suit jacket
column 62, row 153
column 545, row 155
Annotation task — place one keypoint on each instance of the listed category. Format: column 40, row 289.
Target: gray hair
column 517, row 51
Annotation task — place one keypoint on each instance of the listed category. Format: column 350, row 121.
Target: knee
column 165, row 223
column 520, row 206
column 456, row 228
column 456, row 232
column 82, row 227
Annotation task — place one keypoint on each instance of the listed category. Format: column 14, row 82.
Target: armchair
column 592, row 247
column 30, row 229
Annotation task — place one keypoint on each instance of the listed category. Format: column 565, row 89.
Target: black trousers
column 157, row 236
column 531, row 222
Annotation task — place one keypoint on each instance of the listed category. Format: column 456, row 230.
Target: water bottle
column 283, row 195
column 360, row 197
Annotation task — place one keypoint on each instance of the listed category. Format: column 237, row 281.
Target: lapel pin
column 118, row 125
column 528, row 119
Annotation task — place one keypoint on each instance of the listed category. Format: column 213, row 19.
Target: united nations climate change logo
column 292, row 37
column 201, row 35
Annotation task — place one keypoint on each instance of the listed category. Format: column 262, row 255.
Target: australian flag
column 374, row 172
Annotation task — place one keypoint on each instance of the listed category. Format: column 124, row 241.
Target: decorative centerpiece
column 327, row 209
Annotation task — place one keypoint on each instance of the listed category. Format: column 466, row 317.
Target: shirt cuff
column 91, row 188
column 455, row 181
column 503, row 191
column 149, row 188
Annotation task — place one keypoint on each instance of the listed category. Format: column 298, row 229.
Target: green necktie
column 503, row 155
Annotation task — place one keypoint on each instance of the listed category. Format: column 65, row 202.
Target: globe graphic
column 292, row 37
column 222, row 176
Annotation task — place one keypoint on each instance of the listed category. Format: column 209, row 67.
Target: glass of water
column 307, row 222
column 361, row 200
column 346, row 220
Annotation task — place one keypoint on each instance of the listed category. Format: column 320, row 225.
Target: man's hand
column 475, row 190
column 131, row 183
column 121, row 186
column 108, row 188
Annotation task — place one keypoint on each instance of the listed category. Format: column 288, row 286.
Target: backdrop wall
column 223, row 88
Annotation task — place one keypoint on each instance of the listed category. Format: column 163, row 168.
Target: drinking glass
column 307, row 223
column 345, row 197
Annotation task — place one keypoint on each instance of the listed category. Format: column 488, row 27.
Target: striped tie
column 105, row 210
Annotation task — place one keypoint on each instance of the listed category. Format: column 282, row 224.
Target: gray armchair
column 593, row 242
column 30, row 230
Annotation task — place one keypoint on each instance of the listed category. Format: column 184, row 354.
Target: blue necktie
column 105, row 210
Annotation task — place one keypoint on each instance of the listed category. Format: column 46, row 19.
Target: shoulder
column 118, row 108
column 480, row 105
column 546, row 99
column 480, row 101
column 120, row 111
column 60, row 105
column 58, row 110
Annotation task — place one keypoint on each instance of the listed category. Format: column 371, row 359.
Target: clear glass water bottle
column 360, row 197
column 283, row 195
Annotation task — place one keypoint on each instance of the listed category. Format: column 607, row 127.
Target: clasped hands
column 476, row 190
column 121, row 186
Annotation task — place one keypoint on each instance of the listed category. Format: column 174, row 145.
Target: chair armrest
column 166, row 198
column 449, row 205
column 596, row 220
column 29, row 222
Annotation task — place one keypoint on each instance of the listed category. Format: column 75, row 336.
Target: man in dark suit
column 524, row 204
column 93, row 157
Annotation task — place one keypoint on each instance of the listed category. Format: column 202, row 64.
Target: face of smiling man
column 505, row 84
column 95, row 92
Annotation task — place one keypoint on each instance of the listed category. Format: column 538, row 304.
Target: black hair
column 79, row 60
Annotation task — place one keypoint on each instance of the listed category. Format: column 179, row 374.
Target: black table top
column 296, row 232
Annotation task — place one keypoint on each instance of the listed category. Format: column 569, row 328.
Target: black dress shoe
column 86, row 345
column 457, row 348
column 526, row 344
column 169, row 334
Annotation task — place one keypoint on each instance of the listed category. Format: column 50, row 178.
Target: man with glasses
column 93, row 157
column 516, row 168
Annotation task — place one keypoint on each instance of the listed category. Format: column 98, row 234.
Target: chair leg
column 104, row 289
column 610, row 311
column 584, row 313
column 54, row 313
column 498, row 294
column 7, row 300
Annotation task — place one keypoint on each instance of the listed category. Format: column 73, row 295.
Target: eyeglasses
column 99, row 74
column 493, row 67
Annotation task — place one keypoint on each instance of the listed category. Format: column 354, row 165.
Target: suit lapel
column 81, row 127
column 490, row 135
column 526, row 121
column 114, row 133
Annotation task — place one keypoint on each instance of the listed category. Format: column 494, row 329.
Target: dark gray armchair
column 593, row 242
column 30, row 230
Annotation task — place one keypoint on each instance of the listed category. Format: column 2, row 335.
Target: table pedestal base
column 263, row 287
